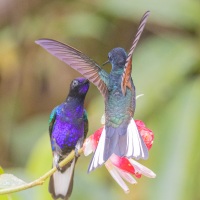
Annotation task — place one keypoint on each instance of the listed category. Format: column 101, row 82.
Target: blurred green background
column 166, row 68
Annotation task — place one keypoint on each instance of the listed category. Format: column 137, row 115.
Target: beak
column 86, row 81
column 106, row 63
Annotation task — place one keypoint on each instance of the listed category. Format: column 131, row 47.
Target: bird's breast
column 67, row 134
column 119, row 108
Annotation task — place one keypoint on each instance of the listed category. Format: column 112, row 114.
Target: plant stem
column 42, row 179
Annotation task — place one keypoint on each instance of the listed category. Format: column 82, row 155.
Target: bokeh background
column 166, row 68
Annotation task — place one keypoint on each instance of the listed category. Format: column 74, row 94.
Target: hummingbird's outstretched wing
column 78, row 61
column 126, row 76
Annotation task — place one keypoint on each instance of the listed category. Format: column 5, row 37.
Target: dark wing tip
column 144, row 17
column 146, row 14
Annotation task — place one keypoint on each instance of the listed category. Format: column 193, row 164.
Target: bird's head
column 79, row 87
column 117, row 57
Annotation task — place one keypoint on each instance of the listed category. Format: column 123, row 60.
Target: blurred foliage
column 165, row 68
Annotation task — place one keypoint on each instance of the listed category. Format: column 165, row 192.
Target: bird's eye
column 75, row 83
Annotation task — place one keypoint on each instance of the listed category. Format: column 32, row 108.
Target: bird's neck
column 116, row 73
column 75, row 105
column 117, row 69
column 75, row 100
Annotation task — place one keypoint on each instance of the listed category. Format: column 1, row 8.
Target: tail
column 61, row 182
column 124, row 142
column 136, row 148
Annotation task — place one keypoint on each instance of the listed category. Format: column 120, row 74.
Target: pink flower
column 120, row 167
column 146, row 133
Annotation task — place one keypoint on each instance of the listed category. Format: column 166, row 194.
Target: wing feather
column 78, row 61
column 128, row 66
column 52, row 119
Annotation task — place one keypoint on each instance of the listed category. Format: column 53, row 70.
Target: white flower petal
column 87, row 147
column 142, row 169
column 114, row 173
column 126, row 176
column 138, row 96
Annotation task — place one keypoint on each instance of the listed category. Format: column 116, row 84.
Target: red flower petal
column 138, row 175
column 147, row 136
column 139, row 124
column 122, row 163
column 146, row 133
column 96, row 137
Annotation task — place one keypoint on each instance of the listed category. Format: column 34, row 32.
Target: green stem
column 42, row 179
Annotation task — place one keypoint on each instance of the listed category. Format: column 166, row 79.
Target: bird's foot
column 58, row 167
column 76, row 152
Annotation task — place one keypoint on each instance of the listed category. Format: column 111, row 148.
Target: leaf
column 5, row 197
column 1, row 170
column 9, row 180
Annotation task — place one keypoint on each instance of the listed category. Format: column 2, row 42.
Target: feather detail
column 78, row 61
column 97, row 159
column 114, row 140
column 136, row 146
column 126, row 76
column 61, row 183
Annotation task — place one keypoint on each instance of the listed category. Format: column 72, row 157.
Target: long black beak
column 86, row 81
column 105, row 63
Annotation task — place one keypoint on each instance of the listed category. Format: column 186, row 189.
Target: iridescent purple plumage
column 68, row 128
column 67, row 131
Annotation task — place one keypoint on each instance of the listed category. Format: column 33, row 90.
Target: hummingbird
column 120, row 135
column 68, row 127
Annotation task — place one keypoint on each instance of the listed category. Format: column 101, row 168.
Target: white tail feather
column 62, row 180
column 97, row 159
column 135, row 145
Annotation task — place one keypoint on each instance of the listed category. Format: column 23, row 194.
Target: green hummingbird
column 120, row 135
